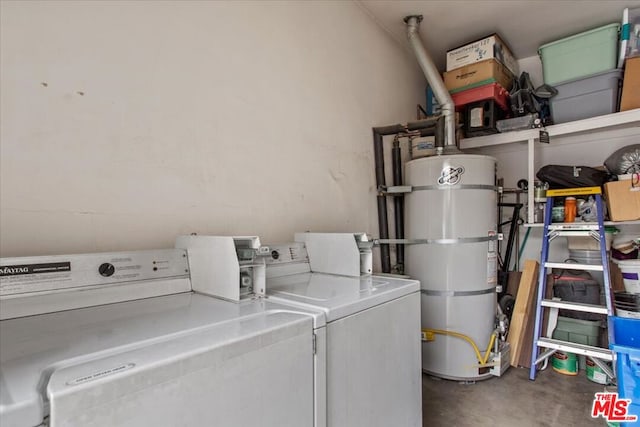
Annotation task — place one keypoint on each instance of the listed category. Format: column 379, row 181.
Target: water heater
column 451, row 227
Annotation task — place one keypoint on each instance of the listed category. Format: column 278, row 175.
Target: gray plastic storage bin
column 586, row 97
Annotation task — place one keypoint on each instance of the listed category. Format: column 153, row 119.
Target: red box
column 491, row 91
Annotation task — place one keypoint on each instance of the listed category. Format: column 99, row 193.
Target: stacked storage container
column 478, row 77
column 583, row 69
column 627, row 302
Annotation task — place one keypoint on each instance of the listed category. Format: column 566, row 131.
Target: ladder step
column 575, row 226
column 574, row 233
column 578, row 191
column 585, row 350
column 573, row 266
column 575, row 306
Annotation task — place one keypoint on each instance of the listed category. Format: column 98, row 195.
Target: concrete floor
column 552, row 399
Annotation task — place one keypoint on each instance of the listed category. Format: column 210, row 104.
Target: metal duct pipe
column 425, row 127
column 383, row 220
column 439, row 133
column 398, row 203
column 433, row 77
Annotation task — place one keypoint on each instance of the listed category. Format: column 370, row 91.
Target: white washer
column 120, row 339
column 374, row 375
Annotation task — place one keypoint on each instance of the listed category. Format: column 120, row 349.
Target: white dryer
column 373, row 338
column 120, row 339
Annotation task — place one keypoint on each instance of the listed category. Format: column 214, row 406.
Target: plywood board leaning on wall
column 521, row 320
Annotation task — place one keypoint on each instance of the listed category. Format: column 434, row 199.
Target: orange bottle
column 570, row 209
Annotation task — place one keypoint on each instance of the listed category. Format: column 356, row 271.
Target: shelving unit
column 621, row 120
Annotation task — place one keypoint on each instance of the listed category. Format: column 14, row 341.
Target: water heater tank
column 451, row 226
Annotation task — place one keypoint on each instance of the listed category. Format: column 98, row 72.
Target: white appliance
column 121, row 339
column 451, row 218
column 373, row 370
column 233, row 261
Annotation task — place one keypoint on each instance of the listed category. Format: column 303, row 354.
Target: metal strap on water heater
column 457, row 240
column 458, row 293
column 403, row 189
column 455, row 187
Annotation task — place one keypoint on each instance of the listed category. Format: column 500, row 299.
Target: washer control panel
column 287, row 253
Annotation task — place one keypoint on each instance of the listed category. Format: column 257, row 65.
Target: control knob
column 106, row 269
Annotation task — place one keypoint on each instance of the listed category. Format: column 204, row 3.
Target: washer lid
column 73, row 347
column 338, row 296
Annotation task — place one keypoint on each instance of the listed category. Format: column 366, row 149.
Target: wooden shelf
column 623, row 119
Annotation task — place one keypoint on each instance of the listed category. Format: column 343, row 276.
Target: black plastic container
column 581, row 288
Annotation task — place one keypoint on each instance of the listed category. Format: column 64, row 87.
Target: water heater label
column 492, row 268
column 493, row 244
column 450, row 175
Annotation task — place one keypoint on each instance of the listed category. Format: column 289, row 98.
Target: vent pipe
column 435, row 82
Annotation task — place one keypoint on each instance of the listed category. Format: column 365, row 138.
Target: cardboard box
column 617, row 281
column 478, row 74
column 479, row 50
column 631, row 85
column 623, row 203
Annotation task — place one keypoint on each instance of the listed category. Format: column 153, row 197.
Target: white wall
column 125, row 124
column 533, row 66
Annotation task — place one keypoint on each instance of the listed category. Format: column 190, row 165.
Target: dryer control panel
column 56, row 273
column 42, row 284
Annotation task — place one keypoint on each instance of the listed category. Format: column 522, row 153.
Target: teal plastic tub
column 580, row 55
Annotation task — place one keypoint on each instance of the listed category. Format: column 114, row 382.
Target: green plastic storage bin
column 580, row 332
column 580, row 55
